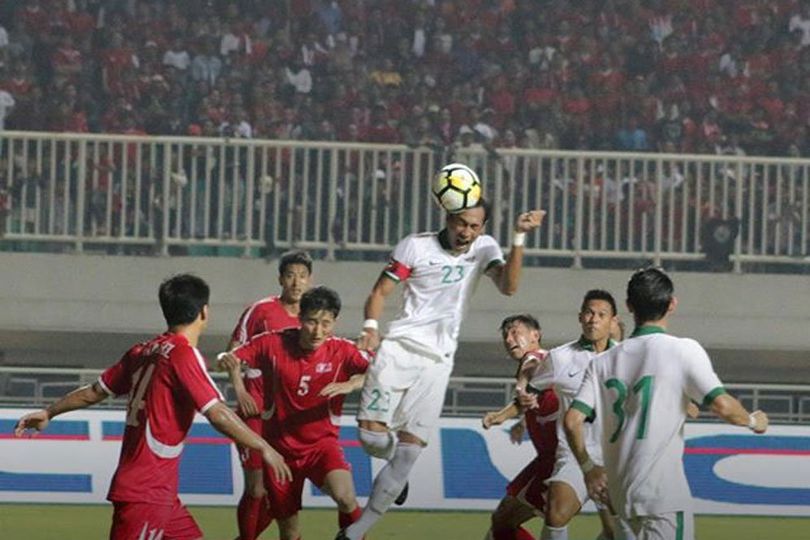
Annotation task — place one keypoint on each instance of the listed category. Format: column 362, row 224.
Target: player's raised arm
column 375, row 304
column 77, row 399
column 507, row 276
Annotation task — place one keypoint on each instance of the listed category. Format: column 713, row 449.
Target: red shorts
column 251, row 459
column 135, row 521
column 313, row 465
column 529, row 486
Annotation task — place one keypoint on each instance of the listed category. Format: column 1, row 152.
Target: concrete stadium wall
column 66, row 295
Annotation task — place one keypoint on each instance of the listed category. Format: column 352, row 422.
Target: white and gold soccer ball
column 456, row 188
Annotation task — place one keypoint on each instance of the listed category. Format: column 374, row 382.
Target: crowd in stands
column 702, row 76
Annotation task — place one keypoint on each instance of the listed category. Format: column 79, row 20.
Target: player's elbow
column 572, row 422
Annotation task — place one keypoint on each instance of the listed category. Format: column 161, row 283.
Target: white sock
column 387, row 487
column 554, row 533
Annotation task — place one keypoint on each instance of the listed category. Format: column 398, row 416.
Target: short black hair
column 294, row 257
column 480, row 204
column 524, row 318
column 599, row 294
column 320, row 298
column 649, row 293
column 182, row 298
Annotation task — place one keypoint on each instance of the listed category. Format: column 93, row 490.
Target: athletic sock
column 387, row 487
column 554, row 533
column 344, row 520
column 247, row 515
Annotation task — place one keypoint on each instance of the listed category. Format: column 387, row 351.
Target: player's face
column 520, row 339
column 463, row 228
column 596, row 319
column 316, row 328
column 294, row 281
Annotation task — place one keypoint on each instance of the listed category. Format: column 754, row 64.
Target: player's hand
column 491, row 419
column 228, row 362
column 528, row 221
column 36, row 420
column 596, row 482
column 368, row 340
column 692, row 410
column 247, row 404
column 760, row 421
column 525, row 399
column 280, row 469
column 517, row 431
column 337, row 389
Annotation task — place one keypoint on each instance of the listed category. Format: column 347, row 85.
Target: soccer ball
column 456, row 188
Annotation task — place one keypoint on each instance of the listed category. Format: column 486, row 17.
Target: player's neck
column 601, row 345
column 292, row 308
column 190, row 331
column 660, row 323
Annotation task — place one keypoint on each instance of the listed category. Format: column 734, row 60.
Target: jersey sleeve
column 702, row 383
column 251, row 352
column 544, row 377
column 586, row 399
column 357, row 361
column 192, row 375
column 403, row 259
column 116, row 380
column 491, row 254
column 245, row 326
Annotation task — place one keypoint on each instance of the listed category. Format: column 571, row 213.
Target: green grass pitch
column 68, row 522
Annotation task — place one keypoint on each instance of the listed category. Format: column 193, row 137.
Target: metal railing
column 137, row 195
column 466, row 396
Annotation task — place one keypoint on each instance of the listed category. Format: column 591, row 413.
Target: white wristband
column 371, row 324
column 587, row 466
column 752, row 422
column 518, row 239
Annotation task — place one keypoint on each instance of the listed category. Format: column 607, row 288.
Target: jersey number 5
column 643, row 386
column 303, row 385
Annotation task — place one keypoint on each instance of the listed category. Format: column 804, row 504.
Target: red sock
column 247, row 515
column 344, row 520
column 265, row 517
column 512, row 534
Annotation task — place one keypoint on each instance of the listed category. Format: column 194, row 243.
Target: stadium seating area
column 638, row 75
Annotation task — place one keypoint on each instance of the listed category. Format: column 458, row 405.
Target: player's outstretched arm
column 346, row 387
column 595, row 476
column 497, row 418
column 78, row 399
column 733, row 412
column 230, row 363
column 226, row 422
column 375, row 304
column 507, row 276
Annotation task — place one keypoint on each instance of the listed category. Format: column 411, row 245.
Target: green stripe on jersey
column 707, row 401
column 493, row 263
column 583, row 408
column 679, row 526
column 646, row 330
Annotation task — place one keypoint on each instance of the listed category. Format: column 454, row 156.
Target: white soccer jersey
column 564, row 371
column 437, row 289
column 641, row 388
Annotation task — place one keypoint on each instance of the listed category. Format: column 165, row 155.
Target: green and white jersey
column 641, row 389
column 437, row 287
column 563, row 371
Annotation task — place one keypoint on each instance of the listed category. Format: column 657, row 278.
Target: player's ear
column 204, row 313
column 673, row 305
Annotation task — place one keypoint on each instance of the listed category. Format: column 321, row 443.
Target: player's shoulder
column 342, row 344
column 268, row 302
column 565, row 348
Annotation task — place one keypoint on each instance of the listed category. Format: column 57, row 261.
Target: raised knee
column 379, row 444
column 556, row 516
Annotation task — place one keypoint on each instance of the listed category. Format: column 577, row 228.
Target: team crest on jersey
column 323, row 367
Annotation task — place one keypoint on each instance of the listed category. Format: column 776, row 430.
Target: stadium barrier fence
column 155, row 195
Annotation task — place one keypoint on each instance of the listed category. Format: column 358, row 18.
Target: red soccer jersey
column 167, row 382
column 265, row 315
column 301, row 416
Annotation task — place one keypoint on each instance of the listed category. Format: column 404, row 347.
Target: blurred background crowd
column 694, row 76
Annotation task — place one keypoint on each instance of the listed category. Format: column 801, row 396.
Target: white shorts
column 567, row 470
column 404, row 390
column 671, row 526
